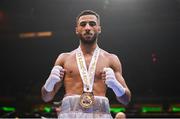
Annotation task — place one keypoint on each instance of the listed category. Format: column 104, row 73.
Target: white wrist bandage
column 112, row 82
column 53, row 78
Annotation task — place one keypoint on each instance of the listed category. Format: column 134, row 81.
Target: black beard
column 92, row 41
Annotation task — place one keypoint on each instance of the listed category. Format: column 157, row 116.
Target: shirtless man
column 69, row 69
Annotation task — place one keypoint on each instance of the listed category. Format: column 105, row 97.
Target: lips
column 88, row 35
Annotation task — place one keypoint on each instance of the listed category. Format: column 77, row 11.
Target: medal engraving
column 87, row 100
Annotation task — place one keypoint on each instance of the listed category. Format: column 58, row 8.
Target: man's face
column 88, row 28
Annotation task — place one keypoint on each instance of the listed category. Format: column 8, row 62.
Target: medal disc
column 87, row 99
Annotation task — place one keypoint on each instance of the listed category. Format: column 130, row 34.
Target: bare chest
column 72, row 70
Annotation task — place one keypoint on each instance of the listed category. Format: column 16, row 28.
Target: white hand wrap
column 112, row 83
column 54, row 77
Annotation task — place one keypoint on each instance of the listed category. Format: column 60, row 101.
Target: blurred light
column 154, row 57
column 1, row 16
column 175, row 109
column 147, row 109
column 8, row 109
column 27, row 35
column 35, row 34
column 44, row 34
column 117, row 109
column 47, row 109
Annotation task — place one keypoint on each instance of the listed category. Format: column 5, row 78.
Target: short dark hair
column 88, row 12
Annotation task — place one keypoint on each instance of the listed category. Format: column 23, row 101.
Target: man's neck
column 88, row 48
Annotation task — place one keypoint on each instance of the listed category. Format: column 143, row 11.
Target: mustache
column 88, row 33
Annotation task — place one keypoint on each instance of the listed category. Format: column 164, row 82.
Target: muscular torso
column 72, row 80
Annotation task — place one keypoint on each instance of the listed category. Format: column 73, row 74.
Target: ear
column 76, row 29
column 99, row 29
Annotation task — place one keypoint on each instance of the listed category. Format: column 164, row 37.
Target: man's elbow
column 46, row 99
column 125, row 102
column 125, row 99
column 46, row 96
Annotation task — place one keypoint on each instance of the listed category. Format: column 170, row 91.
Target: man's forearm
column 52, row 84
column 125, row 99
column 47, row 96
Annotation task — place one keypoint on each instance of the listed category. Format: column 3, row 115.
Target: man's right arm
column 48, row 96
column 54, row 81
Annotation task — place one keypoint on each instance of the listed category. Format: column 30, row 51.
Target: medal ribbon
column 87, row 75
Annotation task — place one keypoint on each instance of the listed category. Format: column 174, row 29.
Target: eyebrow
column 88, row 21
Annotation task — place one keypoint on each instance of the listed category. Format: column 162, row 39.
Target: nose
column 87, row 27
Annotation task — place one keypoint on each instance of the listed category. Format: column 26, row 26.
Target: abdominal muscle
column 75, row 87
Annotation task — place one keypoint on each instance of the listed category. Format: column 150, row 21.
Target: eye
column 83, row 24
column 92, row 23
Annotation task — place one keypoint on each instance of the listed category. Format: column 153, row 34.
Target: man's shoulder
column 114, row 61
column 66, row 54
column 108, row 54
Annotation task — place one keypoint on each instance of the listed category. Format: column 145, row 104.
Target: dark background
column 143, row 33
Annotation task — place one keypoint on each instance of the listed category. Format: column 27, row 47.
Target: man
column 86, row 73
column 120, row 115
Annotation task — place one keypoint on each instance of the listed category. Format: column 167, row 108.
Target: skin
column 71, row 76
column 120, row 115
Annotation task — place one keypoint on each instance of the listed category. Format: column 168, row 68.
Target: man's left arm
column 116, row 82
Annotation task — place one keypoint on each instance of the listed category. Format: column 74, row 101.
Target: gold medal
column 87, row 100
column 87, row 76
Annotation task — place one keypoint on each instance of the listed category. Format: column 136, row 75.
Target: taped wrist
column 53, row 78
column 49, row 85
column 118, row 89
